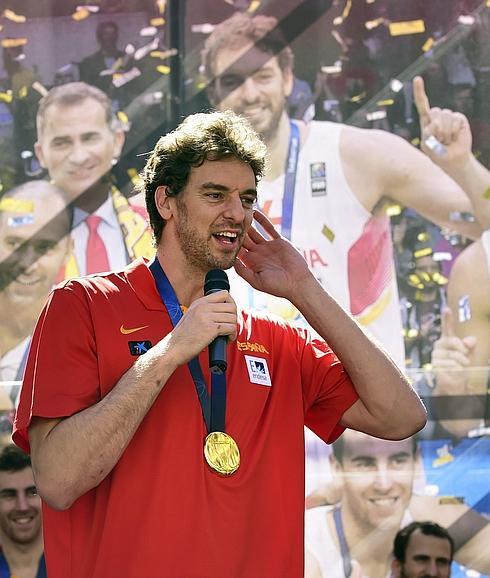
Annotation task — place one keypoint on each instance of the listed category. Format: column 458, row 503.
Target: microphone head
column 216, row 280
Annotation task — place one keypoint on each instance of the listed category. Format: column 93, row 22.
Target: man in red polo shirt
column 144, row 469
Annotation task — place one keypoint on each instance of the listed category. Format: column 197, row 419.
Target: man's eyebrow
column 362, row 457
column 400, row 455
column 217, row 187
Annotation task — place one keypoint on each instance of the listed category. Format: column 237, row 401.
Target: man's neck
column 23, row 559
column 186, row 280
column 15, row 328
column 371, row 547
column 278, row 146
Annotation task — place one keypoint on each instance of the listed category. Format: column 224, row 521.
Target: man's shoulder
column 115, row 279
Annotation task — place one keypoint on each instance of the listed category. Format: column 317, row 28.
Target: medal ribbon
column 214, row 409
column 290, row 181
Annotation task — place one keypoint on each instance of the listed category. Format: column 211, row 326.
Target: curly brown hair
column 200, row 137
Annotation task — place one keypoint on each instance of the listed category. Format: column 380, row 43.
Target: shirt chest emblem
column 258, row 371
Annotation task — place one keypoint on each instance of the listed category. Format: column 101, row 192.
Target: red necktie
column 97, row 260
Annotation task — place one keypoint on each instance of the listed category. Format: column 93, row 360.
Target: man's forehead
column 20, row 478
column 226, row 171
column 357, row 444
column 436, row 546
column 244, row 60
column 57, row 114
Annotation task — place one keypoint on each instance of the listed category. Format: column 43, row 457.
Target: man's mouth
column 23, row 520
column 27, row 282
column 226, row 237
column 384, row 502
column 82, row 172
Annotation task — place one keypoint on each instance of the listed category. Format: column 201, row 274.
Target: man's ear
column 212, row 95
column 395, row 568
column 39, row 154
column 288, row 78
column 119, row 138
column 163, row 202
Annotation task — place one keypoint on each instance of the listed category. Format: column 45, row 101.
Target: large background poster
column 385, row 229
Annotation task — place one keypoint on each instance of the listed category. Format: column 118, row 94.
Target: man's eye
column 248, row 202
column 43, row 247
column 263, row 76
column 12, row 243
column 231, row 81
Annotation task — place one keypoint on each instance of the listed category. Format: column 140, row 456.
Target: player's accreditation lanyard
column 220, row 449
column 290, row 181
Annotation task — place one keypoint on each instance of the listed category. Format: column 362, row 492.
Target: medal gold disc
column 222, row 453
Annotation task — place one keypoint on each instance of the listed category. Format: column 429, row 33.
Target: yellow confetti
column 6, row 97
column 134, row 176
column 393, row 210
column 345, row 12
column 122, row 116
column 16, row 205
column 387, row 102
column 429, row 43
column 486, row 194
column 439, row 279
column 157, row 21
column 423, row 253
column 370, row 24
column 408, row 27
column 329, row 234
column 347, row 9
column 450, row 500
column 163, row 53
column 161, row 5
column 415, row 141
column 163, row 69
column 253, row 6
column 11, row 15
column 22, row 92
column 80, row 14
column 358, row 97
column 13, row 42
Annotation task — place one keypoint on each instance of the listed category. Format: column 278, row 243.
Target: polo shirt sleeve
column 61, row 376
column 327, row 390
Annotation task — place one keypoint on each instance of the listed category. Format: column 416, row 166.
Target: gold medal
column 222, row 453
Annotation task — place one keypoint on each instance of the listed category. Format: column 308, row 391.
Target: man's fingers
column 264, row 222
column 447, row 323
column 254, row 235
column 421, row 101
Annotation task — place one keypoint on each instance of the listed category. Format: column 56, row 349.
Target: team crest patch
column 258, row 372
column 318, row 179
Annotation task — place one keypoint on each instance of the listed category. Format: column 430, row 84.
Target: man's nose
column 249, row 89
column 28, row 259
column 432, row 570
column 383, row 479
column 21, row 502
column 234, row 209
column 78, row 153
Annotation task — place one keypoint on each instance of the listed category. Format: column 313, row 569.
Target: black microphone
column 217, row 280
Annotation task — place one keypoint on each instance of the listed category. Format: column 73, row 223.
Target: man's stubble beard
column 195, row 248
